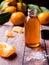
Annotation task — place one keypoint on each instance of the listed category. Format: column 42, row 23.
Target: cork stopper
column 32, row 12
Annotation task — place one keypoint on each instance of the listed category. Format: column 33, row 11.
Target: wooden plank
column 44, row 27
column 46, row 36
column 2, row 32
column 29, row 51
column 22, row 52
column 3, row 38
column 47, row 45
column 17, row 41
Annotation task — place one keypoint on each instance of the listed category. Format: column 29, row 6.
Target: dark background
column 38, row 2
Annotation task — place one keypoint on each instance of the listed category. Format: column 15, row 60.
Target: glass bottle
column 32, row 29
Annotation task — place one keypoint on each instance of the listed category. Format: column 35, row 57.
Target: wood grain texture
column 22, row 51
column 29, row 51
column 17, row 41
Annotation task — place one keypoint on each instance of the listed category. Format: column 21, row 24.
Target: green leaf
column 4, row 17
column 20, row 1
column 24, row 7
column 31, row 6
column 3, row 5
column 0, row 6
column 44, row 9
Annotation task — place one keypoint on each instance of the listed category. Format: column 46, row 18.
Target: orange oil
column 32, row 32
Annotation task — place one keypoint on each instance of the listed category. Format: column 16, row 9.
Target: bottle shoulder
column 33, row 19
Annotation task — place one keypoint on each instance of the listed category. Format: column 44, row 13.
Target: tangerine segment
column 18, row 29
column 9, row 34
column 6, row 50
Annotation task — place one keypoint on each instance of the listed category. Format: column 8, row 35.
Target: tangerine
column 6, row 49
column 18, row 29
column 9, row 34
column 10, row 9
column 9, row 0
column 44, row 18
column 17, row 18
column 20, row 5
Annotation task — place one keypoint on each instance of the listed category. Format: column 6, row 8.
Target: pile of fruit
column 17, row 10
column 12, row 6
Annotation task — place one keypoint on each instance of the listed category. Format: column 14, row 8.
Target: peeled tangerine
column 9, row 34
column 6, row 50
column 18, row 29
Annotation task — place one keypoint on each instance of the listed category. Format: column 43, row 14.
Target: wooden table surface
column 21, row 56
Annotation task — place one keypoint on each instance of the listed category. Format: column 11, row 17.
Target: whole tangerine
column 20, row 5
column 44, row 18
column 10, row 9
column 9, row 0
column 17, row 18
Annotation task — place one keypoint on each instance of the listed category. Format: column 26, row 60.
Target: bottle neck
column 32, row 12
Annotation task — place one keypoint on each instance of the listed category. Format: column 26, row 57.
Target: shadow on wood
column 12, row 57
